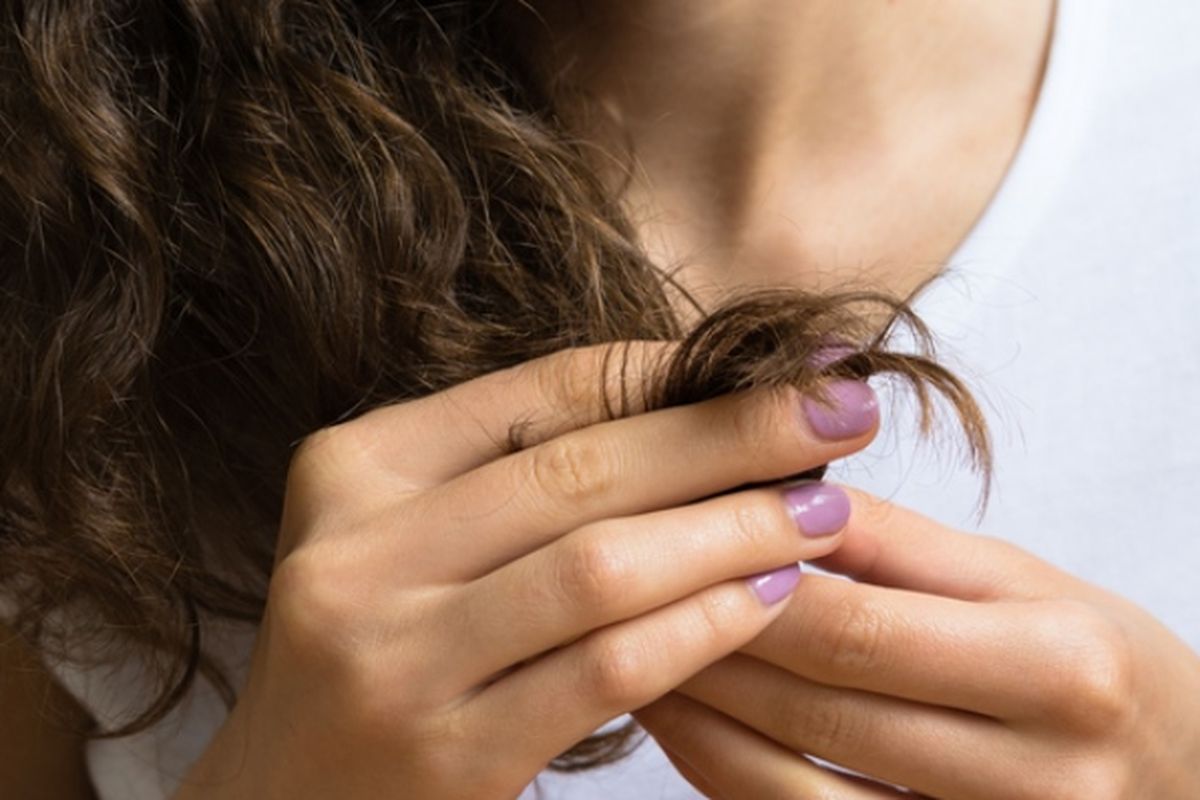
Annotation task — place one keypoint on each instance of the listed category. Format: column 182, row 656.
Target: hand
column 982, row 672
column 445, row 617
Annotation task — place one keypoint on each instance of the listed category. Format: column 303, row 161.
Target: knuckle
column 572, row 469
column 325, row 491
column 853, row 637
column 307, row 456
column 327, row 624
column 322, row 458
column 757, row 522
column 822, row 727
column 307, row 602
column 835, row 730
column 591, row 574
column 320, row 447
column 1103, row 695
column 1094, row 686
column 721, row 614
column 617, row 671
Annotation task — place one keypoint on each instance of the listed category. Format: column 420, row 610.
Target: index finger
column 427, row 441
column 984, row 657
column 889, row 545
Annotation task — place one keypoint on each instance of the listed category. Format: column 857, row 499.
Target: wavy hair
column 224, row 225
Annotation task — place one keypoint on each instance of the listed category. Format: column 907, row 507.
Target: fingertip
column 775, row 586
column 841, row 410
column 818, row 508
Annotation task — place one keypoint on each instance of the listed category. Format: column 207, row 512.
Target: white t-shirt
column 1073, row 309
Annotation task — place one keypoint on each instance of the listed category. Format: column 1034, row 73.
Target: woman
column 206, row 200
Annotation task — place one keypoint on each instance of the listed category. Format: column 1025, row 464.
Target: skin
column 775, row 136
column 772, row 138
column 957, row 666
column 382, row 640
column 447, row 618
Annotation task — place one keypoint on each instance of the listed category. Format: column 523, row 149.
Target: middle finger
column 982, row 657
column 514, row 505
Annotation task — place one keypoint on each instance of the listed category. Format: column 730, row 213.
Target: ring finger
column 927, row 748
column 617, row 568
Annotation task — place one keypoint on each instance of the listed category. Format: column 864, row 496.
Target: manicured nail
column 772, row 587
column 819, row 509
column 829, row 354
column 853, row 410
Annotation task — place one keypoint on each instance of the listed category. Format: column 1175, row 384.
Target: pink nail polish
column 772, row 587
column 853, row 409
column 818, row 509
column 832, row 353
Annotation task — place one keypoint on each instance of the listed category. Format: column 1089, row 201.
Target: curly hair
column 224, row 225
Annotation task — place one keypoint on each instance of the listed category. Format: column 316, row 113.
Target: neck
column 725, row 102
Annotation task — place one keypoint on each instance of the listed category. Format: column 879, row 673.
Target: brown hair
column 224, row 225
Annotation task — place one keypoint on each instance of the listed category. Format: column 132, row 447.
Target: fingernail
column 818, row 509
column 829, row 354
column 772, row 587
column 853, row 410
